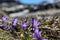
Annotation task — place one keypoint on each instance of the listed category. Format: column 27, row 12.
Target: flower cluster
column 37, row 33
column 25, row 25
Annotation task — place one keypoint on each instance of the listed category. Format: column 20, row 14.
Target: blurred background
column 14, row 8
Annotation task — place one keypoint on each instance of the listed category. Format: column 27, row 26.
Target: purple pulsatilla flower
column 4, row 18
column 36, row 30
column 35, row 23
column 37, row 33
column 14, row 23
column 1, row 26
column 24, row 24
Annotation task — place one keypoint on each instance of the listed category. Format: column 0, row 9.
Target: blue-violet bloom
column 4, row 18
